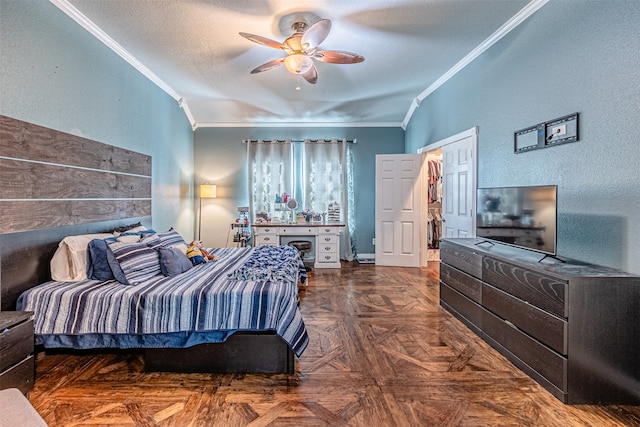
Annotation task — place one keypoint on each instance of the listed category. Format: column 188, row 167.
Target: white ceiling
column 192, row 49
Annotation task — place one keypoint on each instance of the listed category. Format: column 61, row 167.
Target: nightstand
column 17, row 362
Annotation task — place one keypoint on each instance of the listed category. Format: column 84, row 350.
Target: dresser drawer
column 541, row 325
column 270, row 239
column 542, row 291
column 15, row 343
column 461, row 258
column 463, row 283
column 544, row 361
column 470, row 311
column 302, row 231
column 20, row 376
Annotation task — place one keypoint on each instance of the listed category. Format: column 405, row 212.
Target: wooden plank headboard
column 54, row 184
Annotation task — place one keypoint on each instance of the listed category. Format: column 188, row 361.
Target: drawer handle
column 327, row 239
column 510, row 324
column 266, row 239
column 327, row 248
column 326, row 230
column 327, row 257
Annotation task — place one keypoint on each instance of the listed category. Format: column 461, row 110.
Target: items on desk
column 334, row 213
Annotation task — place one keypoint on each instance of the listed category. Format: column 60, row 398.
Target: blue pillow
column 97, row 263
column 173, row 261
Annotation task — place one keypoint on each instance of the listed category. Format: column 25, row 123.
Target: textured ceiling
column 194, row 49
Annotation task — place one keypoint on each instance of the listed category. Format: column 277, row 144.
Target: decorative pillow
column 173, row 261
column 171, row 238
column 97, row 262
column 74, row 249
column 138, row 262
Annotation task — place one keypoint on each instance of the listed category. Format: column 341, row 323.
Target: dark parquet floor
column 382, row 353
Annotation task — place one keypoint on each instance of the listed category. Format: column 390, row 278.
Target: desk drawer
column 542, row 291
column 327, row 257
column 325, row 248
column 301, row 231
column 271, row 239
column 328, row 230
column 326, row 238
column 266, row 230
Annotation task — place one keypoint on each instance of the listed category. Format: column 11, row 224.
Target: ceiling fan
column 301, row 48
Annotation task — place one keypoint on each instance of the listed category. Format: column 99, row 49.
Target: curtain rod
column 283, row 141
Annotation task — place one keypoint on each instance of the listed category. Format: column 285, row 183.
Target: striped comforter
column 230, row 294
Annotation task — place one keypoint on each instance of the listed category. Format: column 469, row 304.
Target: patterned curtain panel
column 327, row 178
column 270, row 172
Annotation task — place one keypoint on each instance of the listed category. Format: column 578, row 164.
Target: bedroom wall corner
column 568, row 57
column 57, row 75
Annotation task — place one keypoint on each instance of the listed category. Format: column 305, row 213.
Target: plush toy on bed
column 198, row 255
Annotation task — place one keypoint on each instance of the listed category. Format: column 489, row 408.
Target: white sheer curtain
column 327, row 177
column 270, row 172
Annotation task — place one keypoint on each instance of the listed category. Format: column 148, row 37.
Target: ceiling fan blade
column 315, row 35
column 262, row 40
column 267, row 66
column 311, row 75
column 338, row 57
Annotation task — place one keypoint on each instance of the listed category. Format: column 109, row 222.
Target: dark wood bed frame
column 32, row 228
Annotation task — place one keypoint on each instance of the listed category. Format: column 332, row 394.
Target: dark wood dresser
column 17, row 363
column 573, row 327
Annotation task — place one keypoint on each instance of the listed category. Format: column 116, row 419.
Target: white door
column 459, row 188
column 398, row 209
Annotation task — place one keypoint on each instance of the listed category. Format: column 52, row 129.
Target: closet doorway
column 433, row 198
column 450, row 203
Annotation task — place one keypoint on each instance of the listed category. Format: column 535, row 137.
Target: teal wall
column 570, row 56
column 220, row 158
column 56, row 74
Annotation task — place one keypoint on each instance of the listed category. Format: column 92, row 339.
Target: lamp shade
column 298, row 63
column 207, row 191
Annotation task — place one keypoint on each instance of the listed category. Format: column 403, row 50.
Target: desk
column 326, row 249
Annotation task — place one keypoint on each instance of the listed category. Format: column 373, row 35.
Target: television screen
column 519, row 216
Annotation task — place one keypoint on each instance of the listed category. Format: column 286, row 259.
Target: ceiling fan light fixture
column 302, row 49
column 298, row 63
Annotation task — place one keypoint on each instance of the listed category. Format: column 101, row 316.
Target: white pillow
column 69, row 263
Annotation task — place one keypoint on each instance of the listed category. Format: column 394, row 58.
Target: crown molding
column 98, row 33
column 298, row 125
column 505, row 29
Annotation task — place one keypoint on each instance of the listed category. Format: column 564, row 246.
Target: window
column 314, row 172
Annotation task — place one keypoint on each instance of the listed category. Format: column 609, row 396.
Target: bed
column 238, row 313
column 59, row 191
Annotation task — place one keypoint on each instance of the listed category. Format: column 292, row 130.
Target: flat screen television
column 525, row 217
